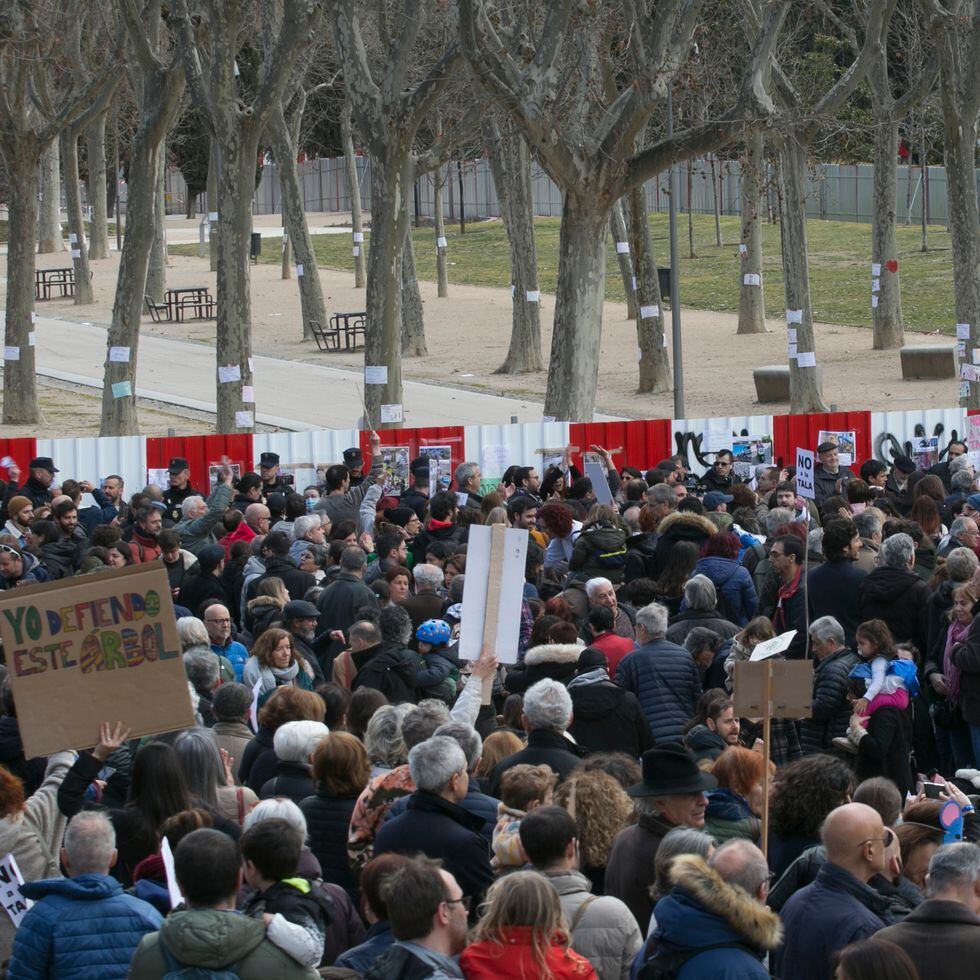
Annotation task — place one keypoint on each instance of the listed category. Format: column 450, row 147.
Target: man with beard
column 299, row 619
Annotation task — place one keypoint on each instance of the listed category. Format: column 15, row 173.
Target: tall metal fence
column 834, row 191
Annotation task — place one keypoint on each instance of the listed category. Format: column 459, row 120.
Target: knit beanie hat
column 16, row 505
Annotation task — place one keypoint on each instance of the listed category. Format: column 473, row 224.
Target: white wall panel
column 905, row 426
column 749, row 425
column 495, row 447
column 93, row 458
column 302, row 452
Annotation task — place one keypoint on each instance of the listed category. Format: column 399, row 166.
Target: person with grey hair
column 207, row 774
column 307, row 530
column 545, row 716
column 661, row 674
column 963, row 533
column 428, row 600
column 869, row 526
column 896, row 595
column 434, row 823
column 699, row 607
column 948, row 920
column 383, row 739
column 831, row 711
column 83, row 925
column 194, row 636
column 294, row 743
column 468, row 478
column 199, row 518
column 201, row 668
column 662, row 500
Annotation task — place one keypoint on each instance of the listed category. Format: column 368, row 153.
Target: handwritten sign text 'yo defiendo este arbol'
column 100, row 647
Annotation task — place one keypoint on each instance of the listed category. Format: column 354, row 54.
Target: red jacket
column 487, row 960
column 614, row 647
column 241, row 533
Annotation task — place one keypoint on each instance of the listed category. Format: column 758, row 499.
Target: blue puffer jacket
column 80, row 928
column 734, row 582
column 665, row 680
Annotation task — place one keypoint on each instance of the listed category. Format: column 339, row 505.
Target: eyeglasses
column 465, row 901
column 219, row 622
column 887, row 840
column 722, row 462
column 7, row 550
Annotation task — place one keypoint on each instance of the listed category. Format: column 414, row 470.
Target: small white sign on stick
column 769, row 648
column 11, row 879
column 176, row 897
column 804, row 474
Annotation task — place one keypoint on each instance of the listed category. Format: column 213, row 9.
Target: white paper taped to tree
column 634, row 284
column 72, row 238
column 791, row 334
column 752, row 279
column 119, row 355
column 876, row 268
column 392, row 413
column 299, row 271
column 639, row 355
column 33, row 317
column 874, row 301
column 976, row 355
column 76, row 253
column 441, row 242
column 665, row 338
column 11, row 353
column 792, row 349
column 623, row 248
column 649, row 312
column 243, row 420
column 358, row 237
column 962, row 331
column 533, row 295
column 806, row 359
column 743, row 249
column 375, row 374
column 355, row 251
column 251, row 367
column 122, row 389
column 964, row 389
column 212, row 215
column 961, row 349
column 876, row 285
column 969, row 372
column 228, row 373
column 510, row 574
column 248, row 394
column 31, row 339
column 794, row 316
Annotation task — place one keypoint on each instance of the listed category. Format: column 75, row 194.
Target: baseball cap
column 177, row 465
column 353, row 457
column 43, row 463
column 268, row 460
column 713, row 499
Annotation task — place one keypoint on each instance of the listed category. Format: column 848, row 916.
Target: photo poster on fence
column 846, row 443
column 717, row 436
column 160, row 478
column 925, row 452
column 748, row 452
column 214, row 471
column 440, row 467
column 394, row 470
column 92, row 649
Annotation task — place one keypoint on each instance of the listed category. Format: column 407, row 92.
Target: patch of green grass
column 840, row 266
column 64, row 225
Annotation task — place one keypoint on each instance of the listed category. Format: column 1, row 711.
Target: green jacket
column 195, row 534
column 215, row 939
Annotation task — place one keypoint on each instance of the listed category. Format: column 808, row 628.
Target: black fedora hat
column 670, row 770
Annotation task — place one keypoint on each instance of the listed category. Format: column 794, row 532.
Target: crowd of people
column 596, row 809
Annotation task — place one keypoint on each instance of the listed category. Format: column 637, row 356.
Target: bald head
column 257, row 517
column 854, row 837
column 741, row 863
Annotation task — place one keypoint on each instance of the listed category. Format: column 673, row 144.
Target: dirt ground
column 468, row 334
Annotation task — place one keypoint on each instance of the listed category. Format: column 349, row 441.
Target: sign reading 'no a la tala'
column 95, row 648
column 804, row 474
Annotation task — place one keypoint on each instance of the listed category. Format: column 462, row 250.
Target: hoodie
column 901, row 599
column 605, row 717
column 553, row 660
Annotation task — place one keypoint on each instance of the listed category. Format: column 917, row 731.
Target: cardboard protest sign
column 792, row 688
column 85, row 650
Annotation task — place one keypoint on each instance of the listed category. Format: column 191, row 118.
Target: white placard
column 511, row 576
column 876, row 268
column 634, row 284
column 804, row 474
column 251, row 366
column 76, row 253
column 769, row 648
column 355, row 251
column 299, row 272
column 254, row 710
column 743, row 249
column 358, row 237
column 496, row 459
column 596, row 472
column 806, row 359
column 176, row 898
column 244, row 420
column 791, row 334
column 623, row 248
column 665, row 338
column 228, row 373
column 212, row 215
column 375, row 374
column 72, row 238
column 794, row 316
column 392, row 413
column 717, row 436
column 533, row 295
column 248, row 394
column 11, row 353
column 752, row 279
column 10, row 881
column 969, row 372
column 649, row 312
column 119, row 355
column 441, row 242
column 962, row 331
column 31, row 338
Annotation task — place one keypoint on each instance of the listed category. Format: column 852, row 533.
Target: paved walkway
column 289, row 394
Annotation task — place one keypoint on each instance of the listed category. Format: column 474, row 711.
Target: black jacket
column 29, row 771
column 173, row 498
column 544, row 747
column 721, row 484
column 327, row 823
column 886, row 748
column 451, row 534
column 641, row 550
column 831, row 711
column 678, row 526
column 440, row 829
column 259, row 761
column 901, row 599
column 419, row 502
column 833, row 591
column 291, row 781
column 966, row 656
column 62, row 558
column 607, row 718
column 557, row 661
column 198, row 587
column 389, row 669
column 340, row 604
column 34, row 492
column 297, row 583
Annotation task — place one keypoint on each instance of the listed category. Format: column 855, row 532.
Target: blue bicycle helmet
column 434, row 631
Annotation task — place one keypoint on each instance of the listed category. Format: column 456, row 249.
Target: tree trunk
column 621, row 239
column 76, row 222
column 510, row 165
column 156, row 273
column 189, row 212
column 20, row 405
column 354, row 193
column 574, row 364
column 886, row 302
column 651, row 336
column 690, row 211
column 294, row 215
column 212, row 197
column 49, row 219
column 442, row 264
column 382, row 335
column 805, row 395
column 98, row 244
column 413, row 325
column 716, row 200
column 752, row 299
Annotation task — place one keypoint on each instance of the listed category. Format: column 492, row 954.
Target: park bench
column 158, row 311
column 772, row 382
column 345, row 332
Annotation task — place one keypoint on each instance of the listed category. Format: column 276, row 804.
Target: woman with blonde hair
column 277, row 663
column 523, row 934
column 496, row 746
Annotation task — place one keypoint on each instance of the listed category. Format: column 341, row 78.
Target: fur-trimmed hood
column 759, row 925
column 686, row 524
column 553, row 653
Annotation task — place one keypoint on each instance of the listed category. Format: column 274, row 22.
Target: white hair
column 594, row 584
column 959, row 463
column 428, row 575
column 296, row 741
column 700, row 593
column 827, row 628
column 468, row 739
column 548, row 705
column 898, row 551
column 383, row 739
column 653, row 618
column 89, row 842
column 304, row 524
column 434, row 762
column 192, row 632
column 277, row 808
column 189, row 505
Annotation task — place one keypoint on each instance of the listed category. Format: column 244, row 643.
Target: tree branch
column 191, row 57
column 136, row 25
column 400, row 53
column 363, row 91
column 418, row 102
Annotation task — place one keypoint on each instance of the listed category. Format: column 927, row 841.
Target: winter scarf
column 956, row 634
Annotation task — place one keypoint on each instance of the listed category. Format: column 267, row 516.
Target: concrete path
column 289, row 394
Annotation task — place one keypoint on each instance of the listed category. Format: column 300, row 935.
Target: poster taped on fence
column 95, row 648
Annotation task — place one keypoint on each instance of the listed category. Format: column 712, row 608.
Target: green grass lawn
column 64, row 226
column 840, row 266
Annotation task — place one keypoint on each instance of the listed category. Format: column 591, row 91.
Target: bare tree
column 49, row 236
column 209, row 43
column 156, row 270
column 354, row 193
column 751, row 285
column 96, row 187
column 555, row 91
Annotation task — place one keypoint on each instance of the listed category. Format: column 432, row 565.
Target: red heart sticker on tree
column 891, row 265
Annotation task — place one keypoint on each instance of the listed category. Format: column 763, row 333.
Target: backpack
column 177, row 971
column 394, row 679
column 667, row 964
